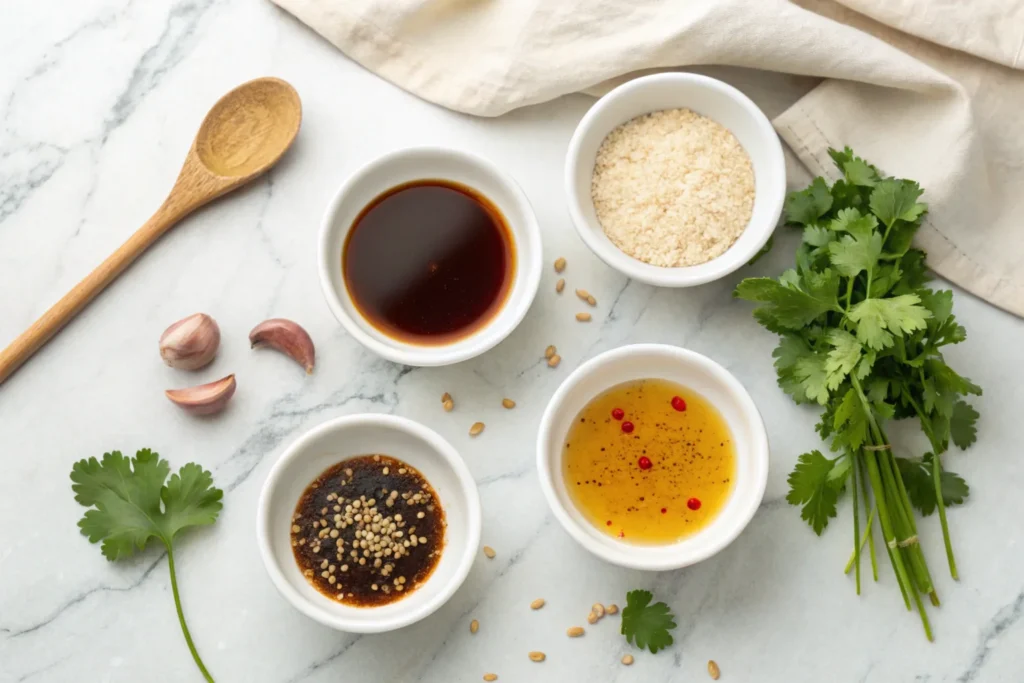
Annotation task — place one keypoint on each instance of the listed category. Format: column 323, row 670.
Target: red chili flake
column 622, row 534
column 664, row 510
column 645, row 464
column 609, row 522
column 627, row 426
column 678, row 403
column 693, row 503
column 618, row 413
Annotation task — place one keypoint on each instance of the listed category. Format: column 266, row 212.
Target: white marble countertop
column 99, row 100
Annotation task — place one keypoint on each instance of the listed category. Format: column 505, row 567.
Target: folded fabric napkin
column 926, row 89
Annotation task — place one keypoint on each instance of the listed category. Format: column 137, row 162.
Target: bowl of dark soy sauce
column 430, row 256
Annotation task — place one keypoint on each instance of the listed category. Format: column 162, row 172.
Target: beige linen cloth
column 926, row 89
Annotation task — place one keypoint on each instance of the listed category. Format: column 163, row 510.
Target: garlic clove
column 190, row 343
column 205, row 399
column 287, row 337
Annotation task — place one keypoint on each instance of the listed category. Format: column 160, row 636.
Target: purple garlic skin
column 205, row 399
column 287, row 337
column 191, row 343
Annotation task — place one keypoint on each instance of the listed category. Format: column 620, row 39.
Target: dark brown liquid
column 429, row 261
column 329, row 527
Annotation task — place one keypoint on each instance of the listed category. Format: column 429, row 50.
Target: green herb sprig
column 862, row 336
column 647, row 625
column 131, row 503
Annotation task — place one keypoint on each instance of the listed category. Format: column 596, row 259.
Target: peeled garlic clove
column 287, row 337
column 190, row 343
column 205, row 399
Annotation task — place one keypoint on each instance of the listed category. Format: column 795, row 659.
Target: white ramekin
column 697, row 372
column 706, row 96
column 346, row 437
column 431, row 163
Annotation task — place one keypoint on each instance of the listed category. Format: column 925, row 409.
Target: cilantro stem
column 856, row 520
column 887, row 531
column 903, row 590
column 864, row 537
column 916, row 557
column 871, row 517
column 940, row 503
column 902, row 520
column 904, row 526
column 181, row 616
column 849, row 293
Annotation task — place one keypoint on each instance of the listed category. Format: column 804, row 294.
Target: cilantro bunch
column 132, row 501
column 861, row 335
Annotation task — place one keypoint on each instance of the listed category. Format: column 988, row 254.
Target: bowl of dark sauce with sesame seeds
column 652, row 456
column 369, row 523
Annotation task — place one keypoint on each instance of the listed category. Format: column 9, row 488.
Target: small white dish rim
column 460, row 496
column 707, row 96
column 431, row 163
column 640, row 361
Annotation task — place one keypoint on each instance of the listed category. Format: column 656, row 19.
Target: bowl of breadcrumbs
column 675, row 179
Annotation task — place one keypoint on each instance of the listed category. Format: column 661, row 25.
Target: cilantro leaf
column 846, row 195
column 843, row 357
column 810, row 371
column 899, row 314
column 896, row 200
column 859, row 172
column 809, row 486
column 885, row 278
column 840, row 156
column 940, row 303
column 807, row 206
column 131, row 501
column 920, row 483
column 840, row 471
column 850, row 421
column 915, row 272
column 949, row 381
column 866, row 364
column 852, row 254
column 854, row 222
column 962, row 423
column 817, row 236
column 126, row 497
column 789, row 307
column 647, row 625
column 856, row 170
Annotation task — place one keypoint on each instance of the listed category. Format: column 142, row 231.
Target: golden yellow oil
column 691, row 452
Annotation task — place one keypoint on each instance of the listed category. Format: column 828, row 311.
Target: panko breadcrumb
column 673, row 188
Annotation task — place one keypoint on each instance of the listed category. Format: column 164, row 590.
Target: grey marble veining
column 99, row 100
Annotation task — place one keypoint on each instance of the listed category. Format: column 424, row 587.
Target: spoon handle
column 40, row 332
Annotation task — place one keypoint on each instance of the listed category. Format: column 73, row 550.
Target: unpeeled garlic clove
column 190, row 343
column 287, row 337
column 205, row 399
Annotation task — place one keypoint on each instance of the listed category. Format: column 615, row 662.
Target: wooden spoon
column 242, row 136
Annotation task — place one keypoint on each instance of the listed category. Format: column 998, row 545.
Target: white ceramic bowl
column 706, row 96
column 431, row 163
column 337, row 440
column 692, row 370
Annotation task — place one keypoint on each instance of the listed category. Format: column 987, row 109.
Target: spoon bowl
column 248, row 129
column 245, row 133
